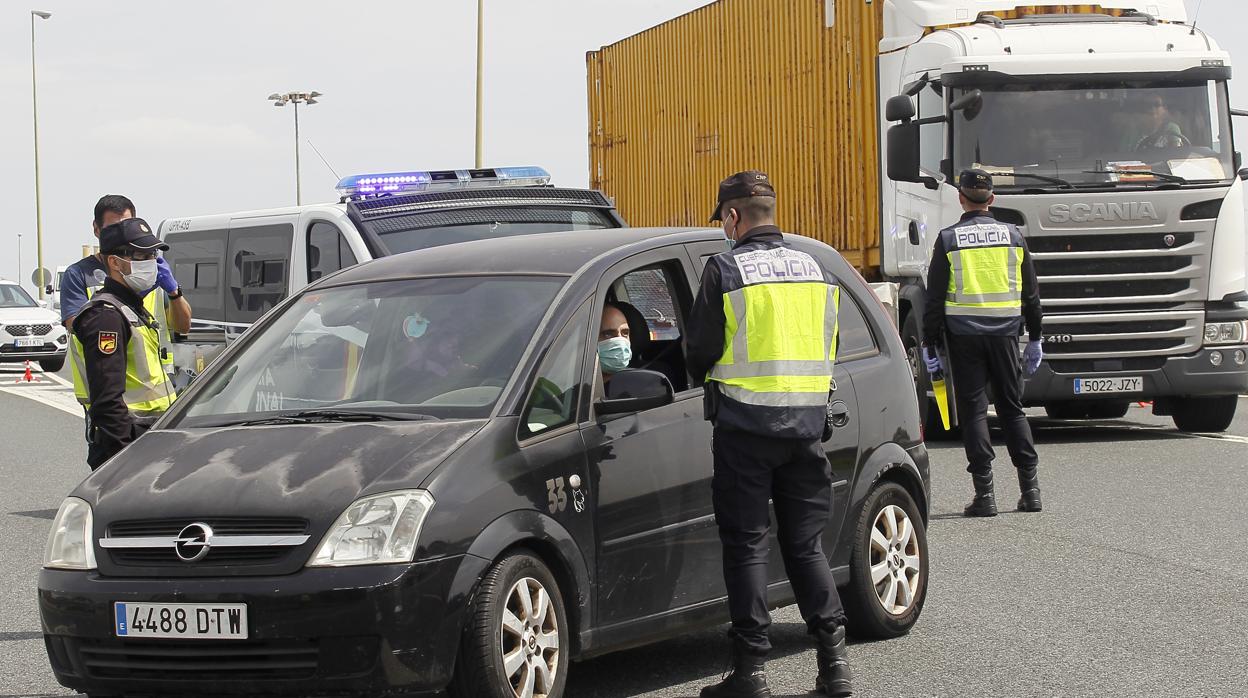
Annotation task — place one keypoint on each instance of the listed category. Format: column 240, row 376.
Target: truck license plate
column 28, row 342
column 1118, row 384
column 193, row 621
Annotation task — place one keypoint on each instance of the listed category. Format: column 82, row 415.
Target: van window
column 196, row 257
column 328, row 250
column 258, row 266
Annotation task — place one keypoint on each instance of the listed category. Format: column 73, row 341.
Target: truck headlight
column 69, row 545
column 376, row 530
column 1226, row 332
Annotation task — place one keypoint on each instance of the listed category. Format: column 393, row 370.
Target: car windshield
column 1123, row 134
column 12, row 296
column 435, row 228
column 441, row 347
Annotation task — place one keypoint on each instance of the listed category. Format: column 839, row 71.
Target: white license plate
column 1116, row 384
column 194, row 621
column 28, row 342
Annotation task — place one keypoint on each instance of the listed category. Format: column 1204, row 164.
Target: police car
column 411, row 476
column 29, row 331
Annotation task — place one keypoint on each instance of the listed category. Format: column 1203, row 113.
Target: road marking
column 55, row 397
column 1232, row 438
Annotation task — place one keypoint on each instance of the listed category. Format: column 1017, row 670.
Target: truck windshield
column 441, row 347
column 423, row 230
column 1097, row 135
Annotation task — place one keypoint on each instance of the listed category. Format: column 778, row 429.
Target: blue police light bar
column 370, row 185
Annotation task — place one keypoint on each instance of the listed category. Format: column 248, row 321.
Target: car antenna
column 322, row 157
column 1196, row 17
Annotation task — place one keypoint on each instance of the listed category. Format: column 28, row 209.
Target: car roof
column 560, row 253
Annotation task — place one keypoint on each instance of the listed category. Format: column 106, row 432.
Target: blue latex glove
column 932, row 359
column 164, row 276
column 1031, row 356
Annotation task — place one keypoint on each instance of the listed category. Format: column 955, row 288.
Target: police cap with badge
column 131, row 235
column 742, row 185
column 976, row 185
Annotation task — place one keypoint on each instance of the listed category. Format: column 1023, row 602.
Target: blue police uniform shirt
column 74, row 284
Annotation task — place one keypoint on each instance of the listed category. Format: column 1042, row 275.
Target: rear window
column 420, row 231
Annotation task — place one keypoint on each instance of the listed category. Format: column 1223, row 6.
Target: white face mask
column 142, row 276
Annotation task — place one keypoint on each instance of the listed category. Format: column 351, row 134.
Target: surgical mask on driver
column 614, row 354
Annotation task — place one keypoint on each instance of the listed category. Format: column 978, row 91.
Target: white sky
column 165, row 101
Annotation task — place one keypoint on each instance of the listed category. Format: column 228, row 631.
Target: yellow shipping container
column 745, row 84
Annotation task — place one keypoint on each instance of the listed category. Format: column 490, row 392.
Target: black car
column 409, row 476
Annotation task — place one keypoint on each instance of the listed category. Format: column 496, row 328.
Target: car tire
column 929, row 414
column 897, row 559
column 52, row 365
column 1205, row 414
column 507, row 643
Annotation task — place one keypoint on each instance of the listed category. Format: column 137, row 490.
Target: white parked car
column 29, row 331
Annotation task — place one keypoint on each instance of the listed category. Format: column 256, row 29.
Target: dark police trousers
column 795, row 475
column 980, row 360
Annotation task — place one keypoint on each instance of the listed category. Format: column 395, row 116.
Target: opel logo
column 193, row 542
column 1169, row 240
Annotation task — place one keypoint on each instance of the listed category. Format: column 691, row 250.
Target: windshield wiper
column 316, row 416
column 1159, row 175
column 1043, row 178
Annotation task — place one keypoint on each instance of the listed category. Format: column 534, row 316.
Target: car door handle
column 838, row 411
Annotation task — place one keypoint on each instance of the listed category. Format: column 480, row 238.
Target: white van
column 234, row 267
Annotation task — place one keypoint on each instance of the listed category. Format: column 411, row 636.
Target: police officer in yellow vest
column 763, row 333
column 127, row 387
column 981, row 290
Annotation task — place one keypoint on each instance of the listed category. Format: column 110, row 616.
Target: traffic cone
column 28, row 377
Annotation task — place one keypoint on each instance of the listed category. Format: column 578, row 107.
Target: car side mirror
column 47, row 290
column 635, row 390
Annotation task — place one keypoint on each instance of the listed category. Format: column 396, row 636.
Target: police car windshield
column 1136, row 134
column 433, row 229
column 441, row 347
column 13, row 296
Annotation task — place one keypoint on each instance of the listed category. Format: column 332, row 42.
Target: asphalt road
column 1128, row 584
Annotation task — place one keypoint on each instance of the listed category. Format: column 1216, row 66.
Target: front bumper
column 51, row 349
column 372, row 630
column 1180, row 376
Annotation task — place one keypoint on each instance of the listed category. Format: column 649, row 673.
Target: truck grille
column 1122, row 335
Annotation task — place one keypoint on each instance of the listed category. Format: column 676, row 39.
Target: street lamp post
column 19, row 258
column 295, row 98
column 34, row 103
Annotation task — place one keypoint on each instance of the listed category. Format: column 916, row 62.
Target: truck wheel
column 52, row 365
column 1204, row 414
column 515, row 642
column 1068, row 409
column 888, row 565
column 929, row 413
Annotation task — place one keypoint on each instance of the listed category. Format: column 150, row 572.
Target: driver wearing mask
column 615, row 351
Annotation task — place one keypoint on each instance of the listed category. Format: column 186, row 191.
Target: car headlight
column 1226, row 332
column 69, row 545
column 376, row 530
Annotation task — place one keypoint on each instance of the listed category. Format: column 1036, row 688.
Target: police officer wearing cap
column 981, row 291
column 126, row 384
column 768, row 369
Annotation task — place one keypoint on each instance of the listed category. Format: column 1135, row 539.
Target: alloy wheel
column 530, row 639
column 895, row 560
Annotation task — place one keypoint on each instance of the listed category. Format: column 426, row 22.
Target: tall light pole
column 295, row 98
column 480, row 75
column 19, row 258
column 34, row 103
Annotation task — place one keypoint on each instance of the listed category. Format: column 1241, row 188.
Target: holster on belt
column 710, row 401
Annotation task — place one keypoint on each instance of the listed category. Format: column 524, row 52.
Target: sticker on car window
column 415, row 325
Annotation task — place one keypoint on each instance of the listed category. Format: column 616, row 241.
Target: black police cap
column 742, row 185
column 976, row 184
column 129, row 235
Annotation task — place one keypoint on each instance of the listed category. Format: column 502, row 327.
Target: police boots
column 834, row 675
column 1029, row 485
column 747, row 680
column 984, row 503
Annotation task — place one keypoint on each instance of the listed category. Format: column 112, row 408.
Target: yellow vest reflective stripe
column 985, row 281
column 149, row 390
column 779, row 344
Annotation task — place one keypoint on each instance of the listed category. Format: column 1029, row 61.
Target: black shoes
column 747, row 680
column 1029, row 485
column 834, row 675
column 984, row 503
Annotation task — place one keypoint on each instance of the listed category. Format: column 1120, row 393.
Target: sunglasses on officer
column 138, row 255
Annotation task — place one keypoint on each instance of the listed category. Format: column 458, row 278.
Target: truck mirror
column 903, row 152
column 1243, row 174
column 899, row 108
column 971, row 103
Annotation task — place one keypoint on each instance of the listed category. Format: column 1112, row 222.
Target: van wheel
column 929, row 413
column 888, row 566
column 1205, row 414
column 515, row 643
column 52, row 365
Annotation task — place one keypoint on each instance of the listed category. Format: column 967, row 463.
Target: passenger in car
column 615, row 351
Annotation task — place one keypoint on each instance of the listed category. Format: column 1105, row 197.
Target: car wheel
column 1205, row 414
column 515, row 643
column 52, row 365
column 888, row 566
column 929, row 414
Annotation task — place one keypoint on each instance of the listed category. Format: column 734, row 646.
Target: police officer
column 981, row 290
column 768, row 365
column 126, row 384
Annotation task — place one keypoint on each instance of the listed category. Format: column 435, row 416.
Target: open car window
column 557, row 389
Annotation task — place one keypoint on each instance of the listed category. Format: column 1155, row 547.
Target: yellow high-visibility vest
column 149, row 390
column 154, row 303
column 985, row 271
